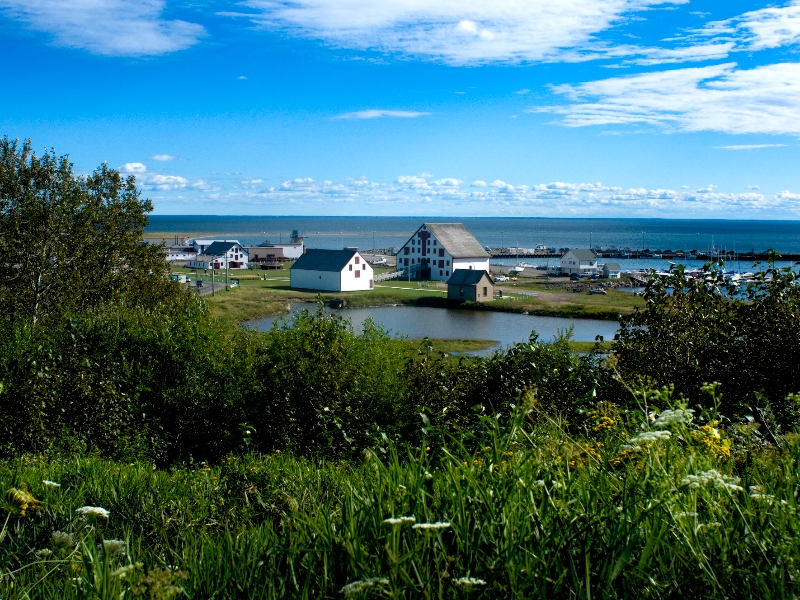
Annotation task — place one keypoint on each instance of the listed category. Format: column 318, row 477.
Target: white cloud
column 759, row 29
column 133, row 167
column 749, row 146
column 109, row 27
column 523, row 91
column 166, row 157
column 479, row 183
column 241, row 77
column 707, row 190
column 715, row 98
column 454, row 31
column 378, row 114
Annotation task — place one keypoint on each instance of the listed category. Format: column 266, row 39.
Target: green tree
column 67, row 242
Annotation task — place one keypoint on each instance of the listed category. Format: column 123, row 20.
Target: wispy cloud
column 166, row 157
column 716, row 98
column 454, row 31
column 749, row 146
column 110, row 27
column 379, row 114
column 160, row 182
column 523, row 91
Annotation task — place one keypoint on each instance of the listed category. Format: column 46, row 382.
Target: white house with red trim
column 332, row 271
column 437, row 249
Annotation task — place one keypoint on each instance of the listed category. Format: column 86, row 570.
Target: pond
column 505, row 328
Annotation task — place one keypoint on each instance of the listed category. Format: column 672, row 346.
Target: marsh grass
column 511, row 510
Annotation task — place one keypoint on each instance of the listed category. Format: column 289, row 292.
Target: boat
column 517, row 269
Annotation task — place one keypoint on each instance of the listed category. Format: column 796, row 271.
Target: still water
column 505, row 328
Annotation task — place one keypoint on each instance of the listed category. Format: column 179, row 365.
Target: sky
column 559, row 108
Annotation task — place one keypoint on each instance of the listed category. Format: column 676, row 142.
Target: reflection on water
column 506, row 328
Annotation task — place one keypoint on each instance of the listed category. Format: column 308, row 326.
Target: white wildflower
column 44, row 553
column 437, row 525
column 469, row 581
column 557, row 484
column 359, row 586
column 768, row 498
column 114, row 547
column 630, row 448
column 123, row 572
column 682, row 515
column 540, row 482
column 651, row 436
column 400, row 520
column 672, row 417
column 755, row 489
column 63, row 540
column 50, row 484
column 714, row 478
column 94, row 511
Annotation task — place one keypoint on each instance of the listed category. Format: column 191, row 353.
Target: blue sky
column 603, row 108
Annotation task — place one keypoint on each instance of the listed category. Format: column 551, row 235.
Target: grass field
column 522, row 511
column 254, row 299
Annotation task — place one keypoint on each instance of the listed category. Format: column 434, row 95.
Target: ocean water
column 385, row 232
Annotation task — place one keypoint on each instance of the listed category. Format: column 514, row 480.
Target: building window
column 358, row 274
column 447, row 263
column 461, row 291
column 441, row 263
column 447, row 273
column 406, row 250
column 485, row 292
column 434, row 242
column 441, row 251
column 406, row 262
column 440, row 273
column 364, row 267
column 357, row 259
column 351, row 267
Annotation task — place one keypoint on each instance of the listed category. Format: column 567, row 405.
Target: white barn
column 437, row 249
column 578, row 261
column 332, row 271
column 612, row 270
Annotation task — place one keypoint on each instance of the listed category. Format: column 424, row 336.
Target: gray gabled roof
column 467, row 277
column 457, row 240
column 612, row 267
column 583, row 253
column 324, row 260
column 220, row 248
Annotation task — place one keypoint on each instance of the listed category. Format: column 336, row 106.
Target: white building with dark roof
column 332, row 271
column 612, row 270
column 219, row 255
column 436, row 250
column 579, row 261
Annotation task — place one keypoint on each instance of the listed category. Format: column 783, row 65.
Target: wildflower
column 672, row 417
column 63, row 540
column 714, row 478
column 469, row 581
column 768, row 498
column 629, row 448
column 400, row 520
column 651, row 436
column 22, row 499
column 50, row 484
column 122, row 572
column 44, row 553
column 437, row 525
column 603, row 424
column 683, row 515
column 114, row 547
column 359, row 586
column 540, row 482
column 93, row 511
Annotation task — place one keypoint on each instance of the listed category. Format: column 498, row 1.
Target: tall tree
column 71, row 242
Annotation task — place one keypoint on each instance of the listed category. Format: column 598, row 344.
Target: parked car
column 500, row 278
column 597, row 291
column 574, row 277
column 595, row 276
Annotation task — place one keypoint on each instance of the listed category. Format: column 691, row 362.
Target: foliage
column 69, row 243
column 696, row 330
column 632, row 509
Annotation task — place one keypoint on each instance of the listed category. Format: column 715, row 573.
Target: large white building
column 332, row 271
column 437, row 249
column 579, row 261
column 219, row 255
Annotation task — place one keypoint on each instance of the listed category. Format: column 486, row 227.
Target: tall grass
column 532, row 513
